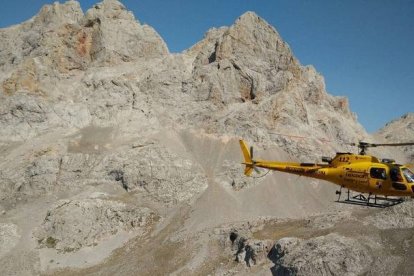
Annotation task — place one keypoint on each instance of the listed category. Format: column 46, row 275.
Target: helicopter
column 361, row 173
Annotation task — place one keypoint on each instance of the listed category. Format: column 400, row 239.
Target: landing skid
column 370, row 200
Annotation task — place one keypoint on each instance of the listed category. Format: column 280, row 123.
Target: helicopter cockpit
column 398, row 174
column 409, row 175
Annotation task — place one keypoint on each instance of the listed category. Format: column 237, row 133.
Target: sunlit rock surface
column 119, row 157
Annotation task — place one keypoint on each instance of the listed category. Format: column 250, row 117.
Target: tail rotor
column 254, row 162
column 248, row 159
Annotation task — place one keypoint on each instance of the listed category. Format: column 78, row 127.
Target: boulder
column 332, row 254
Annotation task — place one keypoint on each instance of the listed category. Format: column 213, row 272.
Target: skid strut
column 370, row 200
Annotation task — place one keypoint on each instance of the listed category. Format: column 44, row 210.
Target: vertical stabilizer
column 247, row 158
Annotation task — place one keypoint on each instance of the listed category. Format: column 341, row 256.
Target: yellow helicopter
column 357, row 172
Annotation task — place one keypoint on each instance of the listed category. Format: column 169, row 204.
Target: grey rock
column 69, row 12
column 397, row 217
column 73, row 224
column 327, row 255
column 247, row 250
column 88, row 160
column 159, row 172
column 400, row 130
column 9, row 237
column 118, row 37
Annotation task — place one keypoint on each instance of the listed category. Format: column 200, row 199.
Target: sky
column 363, row 48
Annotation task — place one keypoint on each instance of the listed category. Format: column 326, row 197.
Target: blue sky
column 363, row 48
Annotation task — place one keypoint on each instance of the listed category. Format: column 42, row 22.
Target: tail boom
column 304, row 169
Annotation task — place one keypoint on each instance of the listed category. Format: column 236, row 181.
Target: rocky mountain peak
column 252, row 36
column 250, row 19
column 62, row 40
column 399, row 130
column 119, row 37
column 406, row 122
column 69, row 12
column 109, row 9
column 255, row 53
column 253, row 22
column 409, row 116
column 248, row 31
column 249, row 16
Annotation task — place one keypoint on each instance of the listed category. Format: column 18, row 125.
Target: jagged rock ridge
column 400, row 130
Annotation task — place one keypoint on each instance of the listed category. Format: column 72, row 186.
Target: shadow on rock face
column 275, row 254
column 118, row 175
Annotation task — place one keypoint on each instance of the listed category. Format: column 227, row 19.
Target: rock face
column 248, row 250
column 43, row 58
column 399, row 217
column 94, row 103
column 400, row 130
column 328, row 255
column 74, row 224
column 248, row 70
column 89, row 158
column 118, row 37
column 9, row 237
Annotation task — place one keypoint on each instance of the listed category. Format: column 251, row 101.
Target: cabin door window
column 378, row 173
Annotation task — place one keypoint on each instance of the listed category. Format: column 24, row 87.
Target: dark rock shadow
column 278, row 269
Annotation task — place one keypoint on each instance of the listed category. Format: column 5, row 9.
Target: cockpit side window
column 395, row 174
column 409, row 175
column 378, row 173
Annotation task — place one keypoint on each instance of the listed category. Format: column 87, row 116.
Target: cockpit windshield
column 409, row 175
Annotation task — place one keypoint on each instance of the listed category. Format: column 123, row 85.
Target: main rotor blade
column 391, row 144
column 251, row 152
column 368, row 145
